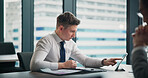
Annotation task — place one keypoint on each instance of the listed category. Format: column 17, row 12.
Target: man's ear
column 61, row 27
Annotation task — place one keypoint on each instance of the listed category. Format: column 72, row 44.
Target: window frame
column 68, row 5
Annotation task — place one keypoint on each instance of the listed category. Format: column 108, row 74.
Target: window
column 13, row 23
column 102, row 32
column 45, row 13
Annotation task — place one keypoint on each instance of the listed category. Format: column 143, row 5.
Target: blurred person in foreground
column 140, row 44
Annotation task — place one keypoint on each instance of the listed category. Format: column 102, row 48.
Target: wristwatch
column 102, row 62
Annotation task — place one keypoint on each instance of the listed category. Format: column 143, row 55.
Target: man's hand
column 67, row 64
column 111, row 61
column 140, row 37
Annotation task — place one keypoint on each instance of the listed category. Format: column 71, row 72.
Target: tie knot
column 62, row 42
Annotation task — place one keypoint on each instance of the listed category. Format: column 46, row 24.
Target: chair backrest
column 6, row 48
column 24, row 59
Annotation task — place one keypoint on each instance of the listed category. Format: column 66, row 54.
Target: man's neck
column 57, row 32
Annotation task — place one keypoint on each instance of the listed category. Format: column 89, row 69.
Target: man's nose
column 73, row 35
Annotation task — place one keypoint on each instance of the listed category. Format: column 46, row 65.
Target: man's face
column 69, row 32
column 144, row 12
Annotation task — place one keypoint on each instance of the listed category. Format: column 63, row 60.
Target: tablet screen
column 120, row 61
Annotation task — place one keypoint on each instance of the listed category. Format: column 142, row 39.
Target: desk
column 108, row 74
column 8, row 58
column 28, row 74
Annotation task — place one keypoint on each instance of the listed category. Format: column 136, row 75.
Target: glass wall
column 45, row 13
column 102, row 32
column 13, row 23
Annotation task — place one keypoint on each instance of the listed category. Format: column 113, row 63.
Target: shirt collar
column 56, row 37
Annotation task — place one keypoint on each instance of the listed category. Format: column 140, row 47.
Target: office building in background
column 13, row 23
column 101, row 33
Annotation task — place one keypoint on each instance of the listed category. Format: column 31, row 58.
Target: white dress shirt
column 47, row 54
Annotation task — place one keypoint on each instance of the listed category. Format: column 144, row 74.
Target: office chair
column 7, row 48
column 24, row 59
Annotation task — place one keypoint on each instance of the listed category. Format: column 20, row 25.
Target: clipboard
column 61, row 72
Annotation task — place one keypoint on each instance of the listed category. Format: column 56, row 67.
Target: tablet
column 120, row 63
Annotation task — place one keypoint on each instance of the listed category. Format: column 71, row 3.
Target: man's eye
column 72, row 31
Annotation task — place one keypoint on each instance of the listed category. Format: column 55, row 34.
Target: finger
column 116, row 58
column 136, row 32
column 146, row 29
column 141, row 29
column 74, row 65
column 136, row 29
column 114, row 61
column 111, row 63
column 133, row 34
column 74, row 62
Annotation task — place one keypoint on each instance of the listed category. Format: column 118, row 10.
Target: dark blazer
column 140, row 63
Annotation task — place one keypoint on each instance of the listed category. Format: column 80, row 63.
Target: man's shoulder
column 140, row 49
column 48, row 37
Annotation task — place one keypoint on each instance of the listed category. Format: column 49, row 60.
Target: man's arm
column 139, row 62
column 91, row 62
column 139, row 55
column 37, row 62
column 38, row 59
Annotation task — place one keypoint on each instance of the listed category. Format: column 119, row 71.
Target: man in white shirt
column 140, row 43
column 54, row 50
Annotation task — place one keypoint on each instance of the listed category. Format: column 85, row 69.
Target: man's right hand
column 67, row 64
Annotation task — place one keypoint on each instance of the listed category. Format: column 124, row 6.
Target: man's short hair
column 145, row 3
column 67, row 19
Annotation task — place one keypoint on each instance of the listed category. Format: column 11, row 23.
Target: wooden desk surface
column 28, row 74
column 8, row 58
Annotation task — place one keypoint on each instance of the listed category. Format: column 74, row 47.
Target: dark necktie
column 62, row 52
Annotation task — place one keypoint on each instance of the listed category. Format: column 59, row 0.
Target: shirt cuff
column 102, row 62
column 54, row 66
